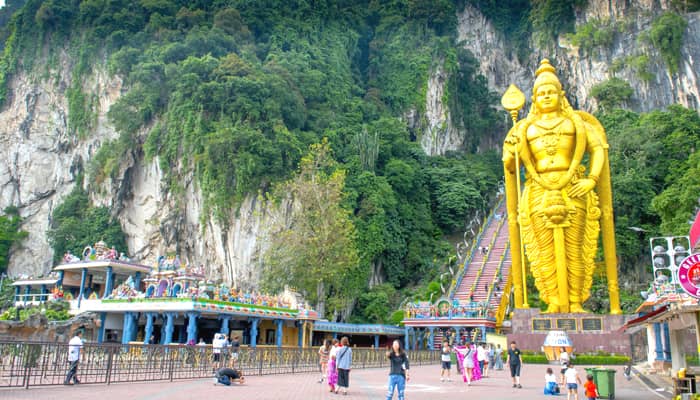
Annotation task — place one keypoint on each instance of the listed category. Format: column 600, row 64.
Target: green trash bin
column 604, row 379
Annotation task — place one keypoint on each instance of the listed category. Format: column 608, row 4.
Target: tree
column 76, row 224
column 9, row 234
column 312, row 244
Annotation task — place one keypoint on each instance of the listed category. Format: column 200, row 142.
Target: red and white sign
column 689, row 275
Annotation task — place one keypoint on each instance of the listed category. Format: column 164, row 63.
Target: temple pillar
column 83, row 278
column 279, row 333
column 483, row 334
column 667, row 342
column 224, row 324
column 59, row 282
column 17, row 290
column 101, row 332
column 677, row 354
column 44, row 290
column 127, row 327
column 27, row 293
column 657, row 342
column 169, row 327
column 406, row 339
column 376, row 341
column 109, row 282
column 137, row 280
column 192, row 327
column 254, row 332
column 431, row 338
column 148, row 331
column 300, row 333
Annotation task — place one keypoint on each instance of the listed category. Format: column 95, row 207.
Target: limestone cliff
column 40, row 160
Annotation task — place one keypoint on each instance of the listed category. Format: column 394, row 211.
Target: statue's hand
column 582, row 187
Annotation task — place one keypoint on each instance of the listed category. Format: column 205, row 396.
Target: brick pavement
column 364, row 384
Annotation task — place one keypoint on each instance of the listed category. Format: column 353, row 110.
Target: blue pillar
column 17, row 289
column 335, row 335
column 192, row 327
column 59, row 282
column 278, row 335
column 376, row 341
column 406, row 338
column 431, row 338
column 300, row 329
column 254, row 332
column 667, row 342
column 83, row 277
column 483, row 334
column 657, row 336
column 27, row 292
column 224, row 324
column 44, row 289
column 101, row 333
column 148, row 331
column 137, row 280
column 109, row 282
column 169, row 327
column 127, row 327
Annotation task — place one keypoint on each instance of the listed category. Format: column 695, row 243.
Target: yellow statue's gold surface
column 564, row 204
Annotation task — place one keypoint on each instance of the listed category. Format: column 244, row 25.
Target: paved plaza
column 364, row 384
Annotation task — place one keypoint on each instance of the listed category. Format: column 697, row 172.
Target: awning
column 34, row 282
column 101, row 265
column 637, row 322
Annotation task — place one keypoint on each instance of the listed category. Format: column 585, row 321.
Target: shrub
column 666, row 35
column 597, row 359
column 612, row 93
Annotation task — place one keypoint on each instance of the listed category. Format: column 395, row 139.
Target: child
column 550, row 383
column 572, row 381
column 591, row 389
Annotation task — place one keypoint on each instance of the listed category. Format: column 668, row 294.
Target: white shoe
column 442, row 379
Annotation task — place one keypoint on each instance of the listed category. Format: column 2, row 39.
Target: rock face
column 40, row 160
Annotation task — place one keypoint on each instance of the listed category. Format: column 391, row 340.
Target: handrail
column 460, row 274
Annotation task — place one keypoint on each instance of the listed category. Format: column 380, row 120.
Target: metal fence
column 28, row 364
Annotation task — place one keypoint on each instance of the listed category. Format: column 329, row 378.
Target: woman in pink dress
column 466, row 356
column 332, row 371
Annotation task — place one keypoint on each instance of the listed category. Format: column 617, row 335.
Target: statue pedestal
column 588, row 332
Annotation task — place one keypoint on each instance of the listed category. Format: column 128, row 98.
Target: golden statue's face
column 547, row 98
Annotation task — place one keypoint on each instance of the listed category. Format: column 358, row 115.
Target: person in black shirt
column 514, row 363
column 398, row 374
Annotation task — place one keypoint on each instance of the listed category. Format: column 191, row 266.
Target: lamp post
column 667, row 253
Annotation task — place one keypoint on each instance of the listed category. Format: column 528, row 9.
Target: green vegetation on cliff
column 10, row 233
column 235, row 92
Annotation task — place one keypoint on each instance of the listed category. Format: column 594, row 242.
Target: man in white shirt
column 217, row 346
column 74, row 348
column 481, row 356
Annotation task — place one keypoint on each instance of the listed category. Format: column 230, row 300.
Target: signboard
column 591, row 324
column 71, row 278
column 557, row 339
column 689, row 275
column 541, row 324
column 567, row 324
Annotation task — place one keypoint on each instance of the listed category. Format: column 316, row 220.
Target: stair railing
column 499, row 269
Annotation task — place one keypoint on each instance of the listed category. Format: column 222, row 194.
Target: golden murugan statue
column 564, row 204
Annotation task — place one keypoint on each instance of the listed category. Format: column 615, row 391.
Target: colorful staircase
column 480, row 275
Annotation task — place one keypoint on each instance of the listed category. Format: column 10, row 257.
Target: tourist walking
column 563, row 361
column 515, row 363
column 323, row 354
column 572, row 382
column 446, row 358
column 481, row 357
column 75, row 346
column 469, row 363
column 398, row 370
column 491, row 356
column 343, row 364
column 235, row 348
column 332, row 377
column 498, row 355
